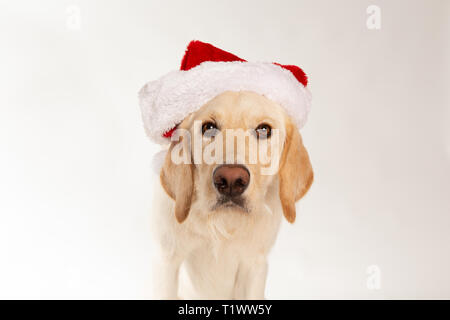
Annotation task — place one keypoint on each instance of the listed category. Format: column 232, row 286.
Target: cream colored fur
column 222, row 254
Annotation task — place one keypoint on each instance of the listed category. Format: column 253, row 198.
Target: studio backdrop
column 75, row 164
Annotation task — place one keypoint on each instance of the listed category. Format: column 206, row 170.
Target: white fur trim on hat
column 167, row 101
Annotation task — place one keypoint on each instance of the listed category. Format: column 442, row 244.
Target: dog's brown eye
column 263, row 131
column 209, row 129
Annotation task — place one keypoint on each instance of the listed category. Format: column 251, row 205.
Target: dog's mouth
column 230, row 202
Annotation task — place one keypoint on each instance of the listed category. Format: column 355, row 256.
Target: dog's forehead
column 233, row 107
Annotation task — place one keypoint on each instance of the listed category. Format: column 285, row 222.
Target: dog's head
column 232, row 150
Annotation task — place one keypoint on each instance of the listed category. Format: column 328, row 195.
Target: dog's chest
column 210, row 271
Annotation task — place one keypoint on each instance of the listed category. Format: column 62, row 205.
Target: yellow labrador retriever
column 216, row 222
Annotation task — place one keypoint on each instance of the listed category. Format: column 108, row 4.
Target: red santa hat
column 207, row 71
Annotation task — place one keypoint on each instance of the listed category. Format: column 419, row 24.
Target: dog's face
column 237, row 146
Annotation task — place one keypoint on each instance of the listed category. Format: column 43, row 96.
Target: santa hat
column 207, row 71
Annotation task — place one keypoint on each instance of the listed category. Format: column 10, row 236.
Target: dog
column 215, row 223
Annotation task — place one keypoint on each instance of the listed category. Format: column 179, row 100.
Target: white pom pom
column 158, row 161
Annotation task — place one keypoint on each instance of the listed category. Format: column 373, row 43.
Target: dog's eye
column 263, row 131
column 209, row 129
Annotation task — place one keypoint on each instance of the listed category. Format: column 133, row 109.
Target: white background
column 75, row 174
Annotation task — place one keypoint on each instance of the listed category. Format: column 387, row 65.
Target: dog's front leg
column 165, row 277
column 251, row 279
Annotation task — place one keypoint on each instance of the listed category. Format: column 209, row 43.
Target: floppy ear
column 295, row 174
column 177, row 181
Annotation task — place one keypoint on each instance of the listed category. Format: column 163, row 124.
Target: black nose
column 231, row 180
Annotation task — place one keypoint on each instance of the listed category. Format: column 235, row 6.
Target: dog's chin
column 227, row 205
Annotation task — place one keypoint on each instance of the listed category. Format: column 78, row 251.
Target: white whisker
column 268, row 209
